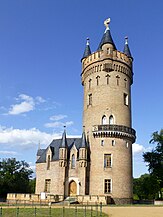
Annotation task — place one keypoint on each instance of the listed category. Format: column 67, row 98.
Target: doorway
column 72, row 188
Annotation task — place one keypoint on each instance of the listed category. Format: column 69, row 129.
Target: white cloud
column 26, row 104
column 58, row 124
column 39, row 99
column 136, row 148
column 57, row 117
column 25, row 137
column 8, row 152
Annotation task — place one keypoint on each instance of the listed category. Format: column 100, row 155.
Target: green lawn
column 47, row 212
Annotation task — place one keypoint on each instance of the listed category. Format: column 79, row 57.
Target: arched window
column 73, row 161
column 104, row 120
column 111, row 119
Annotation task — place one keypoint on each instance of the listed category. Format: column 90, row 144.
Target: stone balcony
column 110, row 130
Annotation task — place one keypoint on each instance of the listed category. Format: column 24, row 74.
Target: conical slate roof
column 126, row 48
column 87, row 51
column 63, row 140
column 106, row 39
column 84, row 142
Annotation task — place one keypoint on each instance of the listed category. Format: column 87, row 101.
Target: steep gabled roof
column 55, row 145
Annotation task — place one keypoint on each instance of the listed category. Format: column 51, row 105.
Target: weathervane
column 106, row 23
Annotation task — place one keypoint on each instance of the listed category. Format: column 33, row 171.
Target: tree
column 154, row 159
column 14, row 176
column 146, row 187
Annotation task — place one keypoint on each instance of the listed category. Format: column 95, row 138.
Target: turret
column 87, row 50
column 83, row 152
column 126, row 49
column 63, row 149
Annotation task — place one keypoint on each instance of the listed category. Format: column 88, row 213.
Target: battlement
column 101, row 55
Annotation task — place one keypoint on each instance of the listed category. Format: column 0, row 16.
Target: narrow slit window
column 73, row 162
column 107, row 79
column 90, row 99
column 125, row 96
column 48, row 162
column 97, row 79
column 90, row 83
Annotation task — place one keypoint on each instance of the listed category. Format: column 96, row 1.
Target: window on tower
column 98, row 78
column 47, row 185
column 125, row 81
column 117, row 77
column 107, row 161
column 107, row 186
column 111, row 119
column 90, row 83
column 90, row 99
column 125, row 98
column 104, row 120
column 107, row 79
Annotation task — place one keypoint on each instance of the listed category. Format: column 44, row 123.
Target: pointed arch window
column 98, row 78
column 117, row 77
column 104, row 120
column 107, row 78
column 111, row 119
column 73, row 162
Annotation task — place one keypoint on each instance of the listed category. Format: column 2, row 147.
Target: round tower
column 107, row 77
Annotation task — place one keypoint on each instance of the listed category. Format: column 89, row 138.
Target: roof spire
column 87, row 50
column 84, row 142
column 107, row 38
column 126, row 49
column 64, row 139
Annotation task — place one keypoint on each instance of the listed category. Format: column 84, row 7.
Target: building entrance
column 72, row 188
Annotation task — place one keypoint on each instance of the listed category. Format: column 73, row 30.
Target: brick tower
column 107, row 77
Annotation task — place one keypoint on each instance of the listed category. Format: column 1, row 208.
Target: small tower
column 63, row 149
column 107, row 77
column 83, row 152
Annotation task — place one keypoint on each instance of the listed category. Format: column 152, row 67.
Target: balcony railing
column 111, row 130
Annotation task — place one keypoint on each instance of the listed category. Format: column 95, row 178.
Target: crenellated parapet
column 102, row 61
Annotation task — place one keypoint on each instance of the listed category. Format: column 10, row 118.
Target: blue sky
column 41, row 44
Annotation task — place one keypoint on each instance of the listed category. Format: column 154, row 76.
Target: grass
column 49, row 212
